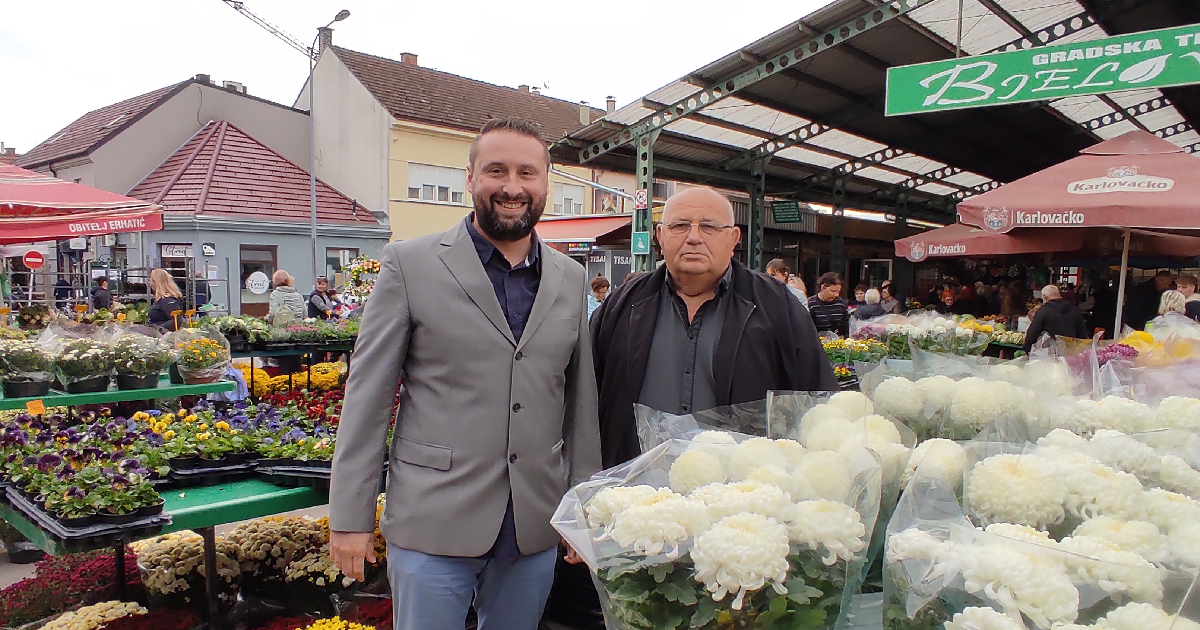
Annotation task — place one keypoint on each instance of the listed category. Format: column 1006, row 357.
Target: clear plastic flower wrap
column 25, row 361
column 655, row 427
column 726, row 530
column 172, row 570
column 203, row 354
column 1037, row 536
column 141, row 350
column 83, row 355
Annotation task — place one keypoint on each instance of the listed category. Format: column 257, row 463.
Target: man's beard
column 502, row 229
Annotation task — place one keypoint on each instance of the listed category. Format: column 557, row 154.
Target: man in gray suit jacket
column 486, row 326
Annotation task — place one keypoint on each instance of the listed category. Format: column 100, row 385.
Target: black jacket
column 160, row 312
column 101, row 298
column 768, row 342
column 868, row 311
column 1059, row 318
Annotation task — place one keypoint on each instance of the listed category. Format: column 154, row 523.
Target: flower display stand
column 165, row 389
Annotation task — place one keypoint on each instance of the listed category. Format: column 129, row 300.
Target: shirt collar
column 722, row 285
column 486, row 250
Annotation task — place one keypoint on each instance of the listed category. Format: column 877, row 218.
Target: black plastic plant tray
column 209, row 476
column 89, row 536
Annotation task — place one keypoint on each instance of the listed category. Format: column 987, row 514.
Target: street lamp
column 312, row 138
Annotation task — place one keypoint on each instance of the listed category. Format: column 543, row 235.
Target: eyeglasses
column 682, row 228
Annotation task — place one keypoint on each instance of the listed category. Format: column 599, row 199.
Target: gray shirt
column 679, row 372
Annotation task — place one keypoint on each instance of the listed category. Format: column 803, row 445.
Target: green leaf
column 659, row 571
column 706, row 611
column 674, row 593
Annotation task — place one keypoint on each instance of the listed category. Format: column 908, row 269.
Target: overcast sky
column 61, row 59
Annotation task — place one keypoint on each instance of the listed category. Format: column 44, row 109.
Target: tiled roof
column 223, row 171
column 96, row 127
column 413, row 93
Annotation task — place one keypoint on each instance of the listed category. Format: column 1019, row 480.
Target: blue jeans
column 435, row 592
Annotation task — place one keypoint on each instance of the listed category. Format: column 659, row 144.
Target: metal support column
column 754, row 224
column 837, row 251
column 210, row 577
column 902, row 270
column 643, row 218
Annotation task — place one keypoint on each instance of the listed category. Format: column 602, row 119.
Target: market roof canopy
column 37, row 207
column 959, row 241
column 807, row 102
column 1136, row 180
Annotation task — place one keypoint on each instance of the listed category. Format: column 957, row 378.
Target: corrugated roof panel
column 1134, row 97
column 915, row 163
column 846, row 143
column 714, row 133
column 1085, row 35
column 1038, row 14
column 756, row 116
column 1161, row 119
column 1082, row 108
column 982, row 30
column 967, row 179
column 1115, row 129
column 880, row 175
column 1185, row 138
column 809, row 157
column 937, row 189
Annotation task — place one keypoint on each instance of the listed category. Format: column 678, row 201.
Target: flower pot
column 150, row 510
column 173, row 373
column 26, row 389
column 133, row 381
column 89, row 385
column 195, row 379
column 77, row 522
column 320, row 463
column 233, row 459
column 184, row 463
column 23, row 553
column 119, row 519
column 205, row 462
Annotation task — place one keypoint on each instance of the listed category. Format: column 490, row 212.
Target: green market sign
column 1153, row 59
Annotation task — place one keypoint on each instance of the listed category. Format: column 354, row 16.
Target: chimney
column 524, row 89
column 234, row 86
column 408, row 59
column 203, row 78
column 324, row 38
column 585, row 113
column 610, row 104
column 536, row 90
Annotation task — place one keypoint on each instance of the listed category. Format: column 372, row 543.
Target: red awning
column 37, row 207
column 1135, row 180
column 962, row 241
column 580, row 229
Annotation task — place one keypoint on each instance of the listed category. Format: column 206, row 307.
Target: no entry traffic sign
column 33, row 259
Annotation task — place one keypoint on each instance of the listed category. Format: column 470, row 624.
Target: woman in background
column 167, row 298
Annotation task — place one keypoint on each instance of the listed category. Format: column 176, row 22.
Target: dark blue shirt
column 516, row 288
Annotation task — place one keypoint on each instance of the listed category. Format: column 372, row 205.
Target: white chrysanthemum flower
column 740, row 554
column 977, row 618
column 1126, row 454
column 1015, row 489
column 1022, row 533
column 1035, row 584
column 1007, row 372
column 1177, row 476
column 1050, row 378
column 695, row 468
column 828, row 527
column 854, row 405
column 900, row 398
column 1170, row 510
column 915, row 544
column 651, row 528
column 609, row 502
column 815, row 416
column 1140, row 616
column 937, row 390
column 1178, row 412
column 728, row 499
column 753, row 454
column 1184, row 545
column 1137, row 537
column 792, row 450
column 1062, row 438
column 937, row 459
column 1112, row 569
column 976, row 402
column 1127, row 416
column 821, row 475
column 771, row 476
column 713, row 437
column 828, row 433
column 1093, row 488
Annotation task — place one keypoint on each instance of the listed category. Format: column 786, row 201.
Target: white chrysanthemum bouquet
column 726, row 530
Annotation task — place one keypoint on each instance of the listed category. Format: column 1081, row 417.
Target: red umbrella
column 958, row 241
column 1135, row 180
column 37, row 207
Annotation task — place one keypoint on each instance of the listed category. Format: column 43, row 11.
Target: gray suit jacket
column 480, row 414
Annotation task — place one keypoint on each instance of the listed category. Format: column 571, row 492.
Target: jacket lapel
column 643, row 317
column 462, row 260
column 741, row 305
column 548, row 287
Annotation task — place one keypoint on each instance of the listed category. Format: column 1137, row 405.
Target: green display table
column 165, row 389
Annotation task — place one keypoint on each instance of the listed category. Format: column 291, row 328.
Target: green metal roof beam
column 882, row 14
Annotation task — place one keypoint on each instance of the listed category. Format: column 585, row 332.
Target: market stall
column 36, row 207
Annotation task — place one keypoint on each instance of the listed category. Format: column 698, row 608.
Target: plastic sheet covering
column 1047, row 535
column 702, row 534
column 655, row 427
column 206, row 374
column 82, row 352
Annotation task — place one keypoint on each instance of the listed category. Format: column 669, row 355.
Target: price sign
column 121, row 317
column 35, row 407
column 80, row 309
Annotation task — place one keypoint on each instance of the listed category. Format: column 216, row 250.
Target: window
column 256, row 259
column 436, row 184
column 568, row 199
column 662, row 190
column 336, row 260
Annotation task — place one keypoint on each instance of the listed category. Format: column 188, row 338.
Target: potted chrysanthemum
column 139, row 360
column 203, row 360
column 25, row 367
column 84, row 365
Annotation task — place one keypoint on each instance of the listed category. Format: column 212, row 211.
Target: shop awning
column 964, row 241
column 36, row 207
column 580, row 229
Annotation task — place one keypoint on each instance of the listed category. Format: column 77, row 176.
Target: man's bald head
column 699, row 197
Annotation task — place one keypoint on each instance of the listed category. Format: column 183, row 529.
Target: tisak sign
column 1153, row 59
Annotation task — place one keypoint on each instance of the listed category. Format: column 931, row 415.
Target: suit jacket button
column 516, row 407
column 512, row 459
column 520, row 356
